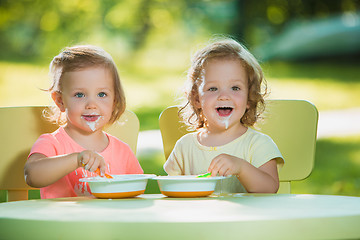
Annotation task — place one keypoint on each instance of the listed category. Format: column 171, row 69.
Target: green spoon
column 204, row 175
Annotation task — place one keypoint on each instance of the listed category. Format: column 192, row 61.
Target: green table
column 234, row 216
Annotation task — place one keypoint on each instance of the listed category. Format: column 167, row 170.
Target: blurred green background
column 308, row 50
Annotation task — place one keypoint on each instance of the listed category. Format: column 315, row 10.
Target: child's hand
column 224, row 165
column 91, row 160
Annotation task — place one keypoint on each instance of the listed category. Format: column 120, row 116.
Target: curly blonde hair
column 77, row 58
column 223, row 49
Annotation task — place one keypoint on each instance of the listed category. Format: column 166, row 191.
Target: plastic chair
column 292, row 124
column 21, row 126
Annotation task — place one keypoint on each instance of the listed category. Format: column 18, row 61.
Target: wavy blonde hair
column 77, row 58
column 223, row 49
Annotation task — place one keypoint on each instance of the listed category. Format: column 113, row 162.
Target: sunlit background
column 308, row 49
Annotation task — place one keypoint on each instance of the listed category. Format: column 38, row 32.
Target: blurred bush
column 36, row 30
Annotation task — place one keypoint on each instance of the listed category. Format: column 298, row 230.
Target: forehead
column 229, row 69
column 223, row 63
column 100, row 77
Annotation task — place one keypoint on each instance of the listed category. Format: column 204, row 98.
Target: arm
column 41, row 171
column 172, row 168
column 174, row 165
column 264, row 179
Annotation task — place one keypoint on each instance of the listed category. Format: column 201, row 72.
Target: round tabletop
column 154, row 216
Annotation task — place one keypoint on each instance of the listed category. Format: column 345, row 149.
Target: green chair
column 21, row 126
column 292, row 124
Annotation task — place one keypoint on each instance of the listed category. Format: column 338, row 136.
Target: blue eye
column 102, row 94
column 212, row 89
column 79, row 95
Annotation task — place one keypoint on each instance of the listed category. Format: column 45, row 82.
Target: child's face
column 87, row 98
column 223, row 94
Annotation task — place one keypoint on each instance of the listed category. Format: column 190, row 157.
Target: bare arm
column 264, row 179
column 41, row 171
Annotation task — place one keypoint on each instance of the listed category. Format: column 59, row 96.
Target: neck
column 215, row 137
column 96, row 141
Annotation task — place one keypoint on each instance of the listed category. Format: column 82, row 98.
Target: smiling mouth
column 224, row 111
column 90, row 118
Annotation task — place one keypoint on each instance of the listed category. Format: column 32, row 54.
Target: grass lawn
column 337, row 168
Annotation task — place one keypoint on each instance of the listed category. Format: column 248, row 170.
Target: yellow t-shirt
column 189, row 157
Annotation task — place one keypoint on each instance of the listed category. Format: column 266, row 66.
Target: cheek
column 111, row 104
column 207, row 104
column 108, row 107
column 71, row 111
column 73, row 107
column 203, row 100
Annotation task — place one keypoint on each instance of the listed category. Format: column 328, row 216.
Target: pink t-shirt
column 118, row 157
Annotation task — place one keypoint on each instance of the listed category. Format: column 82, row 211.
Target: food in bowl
column 120, row 186
column 187, row 186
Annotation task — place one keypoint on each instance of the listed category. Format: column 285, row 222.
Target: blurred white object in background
column 339, row 123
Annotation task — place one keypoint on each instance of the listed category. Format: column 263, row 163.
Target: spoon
column 205, row 175
column 97, row 171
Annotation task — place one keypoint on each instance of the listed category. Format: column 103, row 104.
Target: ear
column 57, row 98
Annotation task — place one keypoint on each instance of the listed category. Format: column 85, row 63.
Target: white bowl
column 120, row 186
column 187, row 186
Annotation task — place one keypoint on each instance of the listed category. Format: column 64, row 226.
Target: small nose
column 223, row 95
column 90, row 104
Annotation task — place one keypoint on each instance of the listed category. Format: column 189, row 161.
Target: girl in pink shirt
column 88, row 95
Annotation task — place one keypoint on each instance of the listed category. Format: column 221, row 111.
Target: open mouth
column 90, row 118
column 224, row 111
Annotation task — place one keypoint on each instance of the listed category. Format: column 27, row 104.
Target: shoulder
column 257, row 136
column 257, row 140
column 189, row 138
column 51, row 137
column 116, row 143
column 49, row 144
column 262, row 149
column 115, row 140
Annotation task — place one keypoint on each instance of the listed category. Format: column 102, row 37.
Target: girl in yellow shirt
column 225, row 98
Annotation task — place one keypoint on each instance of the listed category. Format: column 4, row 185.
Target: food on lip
column 91, row 125
column 224, row 112
column 90, row 118
column 225, row 121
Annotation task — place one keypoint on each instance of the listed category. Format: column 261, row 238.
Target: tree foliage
column 32, row 29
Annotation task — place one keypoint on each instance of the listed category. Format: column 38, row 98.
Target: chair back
column 21, row 126
column 292, row 124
